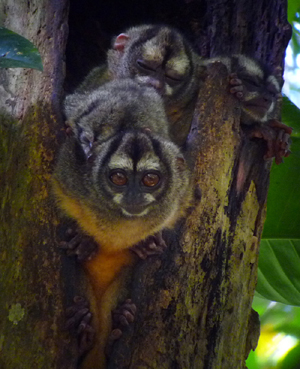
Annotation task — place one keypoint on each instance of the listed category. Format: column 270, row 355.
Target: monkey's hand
column 84, row 247
column 152, row 245
column 78, row 322
column 277, row 137
column 122, row 317
column 236, row 86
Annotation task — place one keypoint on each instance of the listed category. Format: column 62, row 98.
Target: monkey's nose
column 157, row 84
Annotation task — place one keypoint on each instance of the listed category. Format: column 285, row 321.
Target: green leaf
column 289, row 329
column 292, row 359
column 279, row 271
column 17, row 52
column 283, row 206
column 293, row 8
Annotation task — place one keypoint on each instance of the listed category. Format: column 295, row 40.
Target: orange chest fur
column 111, row 235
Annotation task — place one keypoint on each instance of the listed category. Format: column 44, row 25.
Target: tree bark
column 194, row 303
column 32, row 270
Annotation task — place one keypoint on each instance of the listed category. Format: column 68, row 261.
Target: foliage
column 280, row 248
column 17, row 52
column 279, row 340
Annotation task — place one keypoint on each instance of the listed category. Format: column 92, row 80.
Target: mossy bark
column 32, row 284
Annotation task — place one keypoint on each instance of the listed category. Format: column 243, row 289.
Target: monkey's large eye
column 143, row 66
column 150, row 179
column 118, row 178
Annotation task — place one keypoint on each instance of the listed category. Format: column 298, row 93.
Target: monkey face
column 259, row 97
column 156, row 56
column 260, row 90
column 131, row 174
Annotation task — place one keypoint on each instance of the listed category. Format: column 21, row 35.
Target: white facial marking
column 169, row 90
column 152, row 51
column 119, row 161
column 148, row 162
column 179, row 64
column 250, row 66
column 272, row 79
column 118, row 198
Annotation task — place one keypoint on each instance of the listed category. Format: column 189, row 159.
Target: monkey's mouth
column 134, row 210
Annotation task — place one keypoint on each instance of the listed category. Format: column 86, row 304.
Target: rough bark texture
column 32, row 284
column 194, row 303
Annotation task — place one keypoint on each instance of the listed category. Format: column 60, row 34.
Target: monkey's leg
column 105, row 273
column 78, row 322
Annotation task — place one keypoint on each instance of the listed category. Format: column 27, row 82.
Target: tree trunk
column 33, row 281
column 194, row 303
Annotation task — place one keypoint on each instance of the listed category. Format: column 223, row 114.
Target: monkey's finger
column 79, row 303
column 128, row 306
column 286, row 140
column 238, row 94
column 114, row 336
column 274, row 123
column 236, row 82
column 75, row 320
column 139, row 251
column 84, row 322
column 86, row 340
column 232, row 75
column 70, row 245
column 280, row 136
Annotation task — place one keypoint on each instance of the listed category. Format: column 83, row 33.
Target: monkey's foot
column 122, row 317
column 237, row 86
column 78, row 322
column 81, row 245
column 152, row 245
column 277, row 137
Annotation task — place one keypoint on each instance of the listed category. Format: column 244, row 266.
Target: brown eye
column 118, row 178
column 150, row 180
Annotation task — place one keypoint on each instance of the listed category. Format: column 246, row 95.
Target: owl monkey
column 158, row 56
column 161, row 57
column 122, row 179
column 258, row 90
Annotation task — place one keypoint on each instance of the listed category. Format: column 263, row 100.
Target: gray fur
column 265, row 86
column 126, row 126
column 170, row 54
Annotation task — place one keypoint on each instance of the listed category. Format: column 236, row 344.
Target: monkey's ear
column 121, row 41
column 86, row 140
